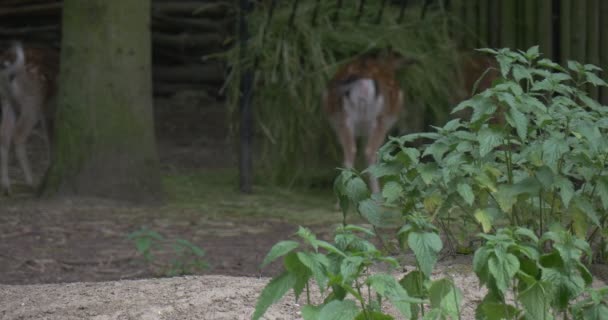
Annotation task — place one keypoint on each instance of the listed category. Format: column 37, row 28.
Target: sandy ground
column 192, row 297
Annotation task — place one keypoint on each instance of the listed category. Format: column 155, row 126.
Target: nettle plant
column 532, row 154
column 527, row 169
column 186, row 257
column 341, row 271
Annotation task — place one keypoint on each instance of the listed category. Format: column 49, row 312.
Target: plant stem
column 365, row 312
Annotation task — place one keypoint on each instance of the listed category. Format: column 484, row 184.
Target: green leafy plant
column 186, row 258
column 544, row 284
column 533, row 153
column 527, row 169
column 343, row 272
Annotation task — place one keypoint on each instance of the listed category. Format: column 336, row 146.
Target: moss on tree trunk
column 104, row 132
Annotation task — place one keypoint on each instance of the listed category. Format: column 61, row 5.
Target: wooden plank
column 604, row 48
column 470, row 16
column 530, row 15
column 593, row 38
column 508, row 37
column 566, row 35
column 483, row 27
column 545, row 28
column 494, row 24
column 578, row 30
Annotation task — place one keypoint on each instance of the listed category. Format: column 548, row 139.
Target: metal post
column 246, row 114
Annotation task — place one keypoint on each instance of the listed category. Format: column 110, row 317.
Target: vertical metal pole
column 246, row 114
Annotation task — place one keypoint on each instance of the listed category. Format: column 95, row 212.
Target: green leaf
column 594, row 79
column 566, row 189
column 506, row 197
column 428, row 172
column 488, row 140
column 532, row 53
column 317, row 264
column 587, row 208
column 480, row 264
column 554, row 149
column 356, row 228
column 310, row 312
column 356, row 189
column 536, row 301
column 386, row 286
column 519, row 121
column 495, row 310
column 426, row 247
column 503, row 270
column 350, row 268
column 370, row 210
column 273, row 292
column 444, row 295
column 339, row 310
column 373, row 315
column 279, row 249
column 466, row 192
column 299, row 270
column 307, row 236
column 484, row 219
column 413, row 283
column 392, row 191
column 602, row 190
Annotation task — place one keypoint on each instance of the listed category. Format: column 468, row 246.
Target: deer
column 364, row 99
column 27, row 88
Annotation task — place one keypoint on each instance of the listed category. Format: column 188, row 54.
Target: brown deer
column 364, row 99
column 27, row 86
column 476, row 73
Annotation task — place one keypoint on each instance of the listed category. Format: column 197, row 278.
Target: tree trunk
column 105, row 143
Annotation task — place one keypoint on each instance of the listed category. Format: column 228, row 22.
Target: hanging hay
column 294, row 142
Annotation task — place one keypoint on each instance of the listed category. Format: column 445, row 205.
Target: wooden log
column 604, row 48
column 168, row 88
column 185, row 40
column 35, row 9
column 163, row 22
column 192, row 8
column 593, row 38
column 508, row 36
column 545, row 28
column 28, row 30
column 204, row 73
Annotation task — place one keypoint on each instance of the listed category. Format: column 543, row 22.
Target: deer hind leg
column 346, row 136
column 375, row 139
column 26, row 123
column 7, row 128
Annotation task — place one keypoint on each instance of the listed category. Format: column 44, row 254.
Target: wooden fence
column 564, row 29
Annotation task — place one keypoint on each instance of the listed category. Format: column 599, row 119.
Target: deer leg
column 24, row 128
column 349, row 145
column 375, row 139
column 7, row 127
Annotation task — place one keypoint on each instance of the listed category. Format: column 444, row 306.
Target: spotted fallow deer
column 364, row 99
column 27, row 87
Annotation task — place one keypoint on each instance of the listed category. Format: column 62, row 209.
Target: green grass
column 216, row 195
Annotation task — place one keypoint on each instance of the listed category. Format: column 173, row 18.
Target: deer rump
column 363, row 100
